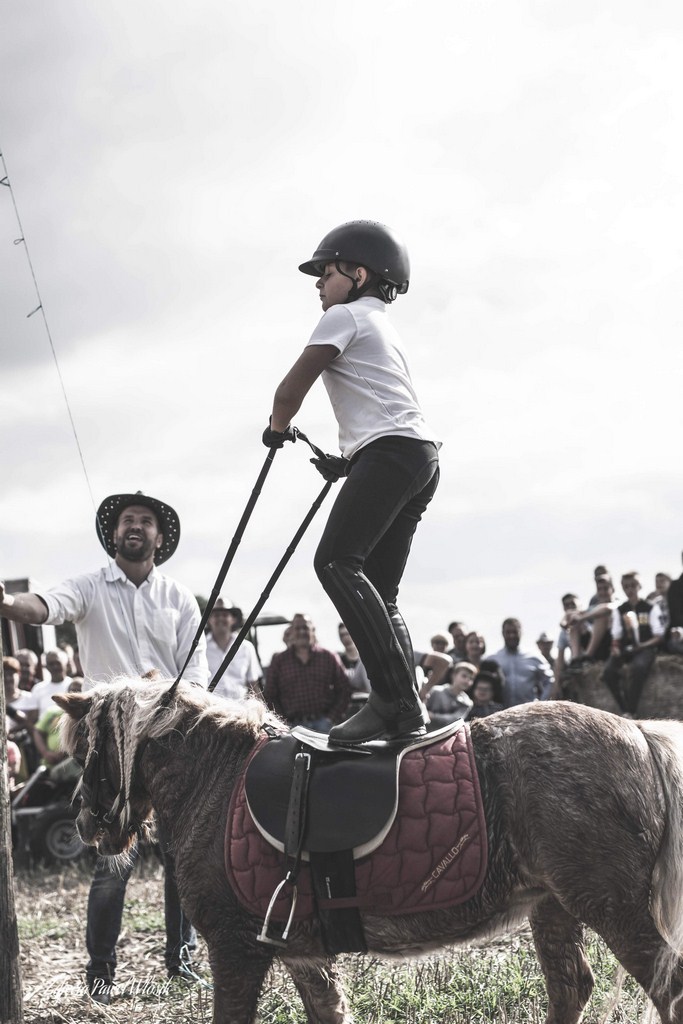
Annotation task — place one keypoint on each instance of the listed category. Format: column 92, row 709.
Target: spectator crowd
column 310, row 686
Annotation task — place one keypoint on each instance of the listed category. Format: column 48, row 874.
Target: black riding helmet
column 370, row 244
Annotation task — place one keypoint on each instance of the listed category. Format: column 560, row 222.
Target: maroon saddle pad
column 434, row 855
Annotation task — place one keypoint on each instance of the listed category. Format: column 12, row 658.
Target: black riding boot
column 379, row 720
column 394, row 709
column 405, row 643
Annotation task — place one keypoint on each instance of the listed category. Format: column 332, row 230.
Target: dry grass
column 51, row 907
column 499, row 983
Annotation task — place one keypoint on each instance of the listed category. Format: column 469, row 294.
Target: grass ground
column 499, row 983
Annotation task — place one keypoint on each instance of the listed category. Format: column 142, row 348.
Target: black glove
column 331, row 467
column 277, row 438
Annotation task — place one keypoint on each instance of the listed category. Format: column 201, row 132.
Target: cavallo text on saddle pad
column 446, row 862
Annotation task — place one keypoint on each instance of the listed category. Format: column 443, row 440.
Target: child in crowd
column 390, row 464
column 47, row 739
column 449, row 702
column 483, row 694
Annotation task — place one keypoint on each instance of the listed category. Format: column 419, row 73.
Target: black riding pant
column 364, row 549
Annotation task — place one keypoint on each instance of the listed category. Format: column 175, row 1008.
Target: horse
column 584, row 829
column 662, row 695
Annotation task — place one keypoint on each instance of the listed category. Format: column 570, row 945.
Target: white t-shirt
column 654, row 620
column 368, row 383
column 242, row 670
column 42, row 694
column 25, row 701
column 127, row 630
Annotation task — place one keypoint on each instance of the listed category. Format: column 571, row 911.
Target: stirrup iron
column 271, row 940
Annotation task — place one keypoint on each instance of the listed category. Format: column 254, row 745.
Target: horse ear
column 75, row 704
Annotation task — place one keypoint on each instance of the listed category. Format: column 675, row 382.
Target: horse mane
column 137, row 711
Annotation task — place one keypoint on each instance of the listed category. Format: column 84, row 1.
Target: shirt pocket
column 165, row 626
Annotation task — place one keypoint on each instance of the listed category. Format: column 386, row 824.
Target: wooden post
column 11, row 1004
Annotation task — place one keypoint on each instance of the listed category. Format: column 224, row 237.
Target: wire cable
column 40, row 308
column 5, row 180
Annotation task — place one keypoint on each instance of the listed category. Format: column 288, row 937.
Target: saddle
column 329, row 807
column 347, row 797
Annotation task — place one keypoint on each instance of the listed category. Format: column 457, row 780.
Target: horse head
column 111, row 731
column 101, row 730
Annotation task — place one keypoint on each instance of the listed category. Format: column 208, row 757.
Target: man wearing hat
column 130, row 619
column 244, row 671
column 545, row 646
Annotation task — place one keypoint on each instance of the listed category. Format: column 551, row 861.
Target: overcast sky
column 172, row 165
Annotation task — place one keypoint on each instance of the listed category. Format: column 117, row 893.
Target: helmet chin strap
column 387, row 290
column 355, row 292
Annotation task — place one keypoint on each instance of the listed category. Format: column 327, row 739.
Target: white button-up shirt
column 242, row 670
column 127, row 630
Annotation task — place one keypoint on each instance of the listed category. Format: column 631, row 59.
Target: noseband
column 92, row 778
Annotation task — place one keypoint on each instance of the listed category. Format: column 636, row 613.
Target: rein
column 227, row 561
column 251, row 618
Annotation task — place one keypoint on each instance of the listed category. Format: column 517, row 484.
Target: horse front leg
column 321, row 990
column 559, row 942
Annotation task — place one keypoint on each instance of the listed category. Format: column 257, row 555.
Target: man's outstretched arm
column 27, row 608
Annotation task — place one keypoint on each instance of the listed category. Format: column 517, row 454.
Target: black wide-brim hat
column 111, row 508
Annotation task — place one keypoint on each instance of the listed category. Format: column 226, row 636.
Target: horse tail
column 665, row 741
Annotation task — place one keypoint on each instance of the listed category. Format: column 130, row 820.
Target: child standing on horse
column 390, row 464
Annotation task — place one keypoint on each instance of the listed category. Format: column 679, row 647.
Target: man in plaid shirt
column 306, row 684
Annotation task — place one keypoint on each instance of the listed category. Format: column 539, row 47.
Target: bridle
column 93, row 777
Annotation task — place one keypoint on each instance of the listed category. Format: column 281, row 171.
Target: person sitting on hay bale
column 674, row 597
column 575, row 634
column 637, row 633
column 598, row 618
